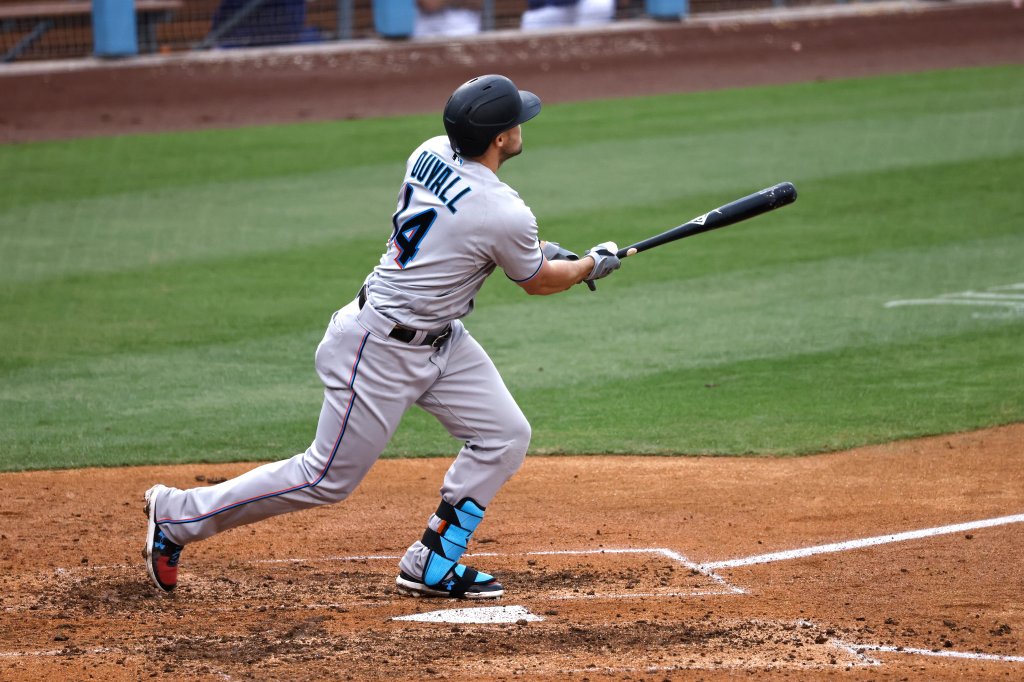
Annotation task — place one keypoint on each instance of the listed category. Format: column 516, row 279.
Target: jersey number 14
column 407, row 236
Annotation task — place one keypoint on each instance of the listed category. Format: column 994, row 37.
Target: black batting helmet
column 483, row 108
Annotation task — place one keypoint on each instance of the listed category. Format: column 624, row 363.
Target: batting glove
column 605, row 262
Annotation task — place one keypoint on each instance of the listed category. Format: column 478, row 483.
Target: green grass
column 161, row 295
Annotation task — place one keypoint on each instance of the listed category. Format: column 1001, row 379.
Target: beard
column 507, row 154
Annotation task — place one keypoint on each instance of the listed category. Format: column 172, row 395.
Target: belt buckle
column 441, row 338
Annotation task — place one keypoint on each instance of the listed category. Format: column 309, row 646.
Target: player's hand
column 554, row 251
column 605, row 262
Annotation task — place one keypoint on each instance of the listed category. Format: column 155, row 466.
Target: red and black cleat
column 160, row 553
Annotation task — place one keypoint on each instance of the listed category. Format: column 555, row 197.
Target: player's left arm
column 540, row 267
column 561, row 269
column 555, row 276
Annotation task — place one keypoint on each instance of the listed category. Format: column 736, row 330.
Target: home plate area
column 595, row 613
column 613, row 612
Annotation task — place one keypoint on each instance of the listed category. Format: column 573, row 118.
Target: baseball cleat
column 461, row 582
column 160, row 553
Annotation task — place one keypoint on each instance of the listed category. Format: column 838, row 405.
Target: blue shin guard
column 443, row 575
column 449, row 541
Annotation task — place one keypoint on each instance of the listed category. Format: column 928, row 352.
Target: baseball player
column 401, row 342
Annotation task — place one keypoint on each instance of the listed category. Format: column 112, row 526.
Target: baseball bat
column 757, row 203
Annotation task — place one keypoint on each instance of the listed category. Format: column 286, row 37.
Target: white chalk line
column 859, row 659
column 707, row 568
column 989, row 297
column 861, row 543
column 953, row 301
column 58, row 652
column 703, row 571
column 854, row 649
column 639, row 595
column 941, row 653
column 669, row 554
column 858, row 649
column 726, row 588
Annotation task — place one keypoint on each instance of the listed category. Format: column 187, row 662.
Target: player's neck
column 491, row 159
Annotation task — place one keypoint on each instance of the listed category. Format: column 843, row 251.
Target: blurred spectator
column 595, row 12
column 238, row 23
column 447, row 18
column 558, row 13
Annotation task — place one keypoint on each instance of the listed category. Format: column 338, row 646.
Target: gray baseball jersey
column 455, row 221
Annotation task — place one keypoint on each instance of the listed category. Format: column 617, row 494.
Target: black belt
column 407, row 334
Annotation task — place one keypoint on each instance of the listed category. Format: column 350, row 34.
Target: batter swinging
column 401, row 342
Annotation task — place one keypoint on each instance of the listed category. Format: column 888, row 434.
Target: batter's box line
column 941, row 653
column 861, row 543
column 671, row 555
column 857, row 659
column 60, row 652
column 641, row 595
column 727, row 588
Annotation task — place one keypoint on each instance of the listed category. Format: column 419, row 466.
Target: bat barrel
column 782, row 194
column 749, row 206
column 755, row 204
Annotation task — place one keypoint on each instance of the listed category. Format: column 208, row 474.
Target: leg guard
column 449, row 541
column 443, row 543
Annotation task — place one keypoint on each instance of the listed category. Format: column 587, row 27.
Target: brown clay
column 310, row 596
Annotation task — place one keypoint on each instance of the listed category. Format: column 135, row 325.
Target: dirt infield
column 635, row 567
column 233, row 89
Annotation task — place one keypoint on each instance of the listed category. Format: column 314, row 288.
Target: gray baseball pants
column 370, row 381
